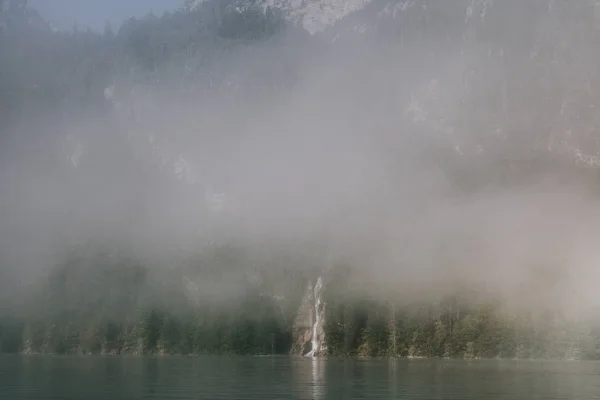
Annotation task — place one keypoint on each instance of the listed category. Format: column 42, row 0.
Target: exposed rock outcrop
column 303, row 323
column 314, row 15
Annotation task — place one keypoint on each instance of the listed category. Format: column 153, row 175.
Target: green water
column 47, row 377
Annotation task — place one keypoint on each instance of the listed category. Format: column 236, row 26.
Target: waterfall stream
column 317, row 320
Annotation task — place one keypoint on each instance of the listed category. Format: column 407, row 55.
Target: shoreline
column 293, row 356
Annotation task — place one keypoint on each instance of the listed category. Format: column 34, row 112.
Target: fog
column 442, row 163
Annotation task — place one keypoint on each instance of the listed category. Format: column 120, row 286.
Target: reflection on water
column 45, row 377
column 307, row 378
column 318, row 378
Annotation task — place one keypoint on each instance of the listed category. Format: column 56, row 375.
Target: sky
column 63, row 14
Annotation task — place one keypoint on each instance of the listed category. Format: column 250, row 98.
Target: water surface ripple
column 103, row 378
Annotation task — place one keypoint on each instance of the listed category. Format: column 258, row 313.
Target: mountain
column 162, row 90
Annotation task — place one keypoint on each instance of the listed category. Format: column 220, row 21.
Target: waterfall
column 318, row 319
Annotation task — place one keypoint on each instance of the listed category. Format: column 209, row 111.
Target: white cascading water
column 315, row 344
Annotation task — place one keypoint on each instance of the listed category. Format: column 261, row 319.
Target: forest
column 522, row 95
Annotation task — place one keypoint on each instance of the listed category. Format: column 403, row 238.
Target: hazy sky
column 64, row 13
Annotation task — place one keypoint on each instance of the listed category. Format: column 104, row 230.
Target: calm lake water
column 104, row 378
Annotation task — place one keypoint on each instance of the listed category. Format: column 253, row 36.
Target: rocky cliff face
column 313, row 15
column 316, row 15
column 303, row 323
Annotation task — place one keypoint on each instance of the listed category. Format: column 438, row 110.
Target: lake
column 104, row 378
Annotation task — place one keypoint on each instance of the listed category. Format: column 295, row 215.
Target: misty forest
column 415, row 178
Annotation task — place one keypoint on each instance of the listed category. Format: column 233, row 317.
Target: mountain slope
column 16, row 16
column 313, row 15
